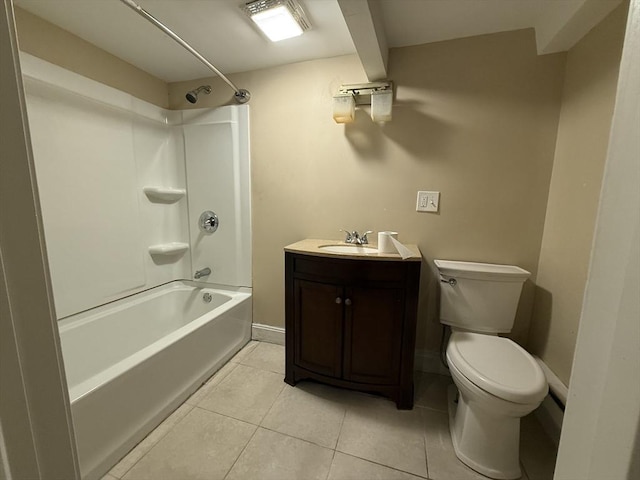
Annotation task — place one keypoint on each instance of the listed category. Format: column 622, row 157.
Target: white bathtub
column 133, row 361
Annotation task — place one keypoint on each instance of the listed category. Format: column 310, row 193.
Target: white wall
column 218, row 178
column 86, row 175
column 96, row 149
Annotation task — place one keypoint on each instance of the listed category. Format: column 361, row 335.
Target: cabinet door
column 318, row 327
column 373, row 335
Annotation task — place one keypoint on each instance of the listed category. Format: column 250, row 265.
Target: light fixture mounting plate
column 362, row 91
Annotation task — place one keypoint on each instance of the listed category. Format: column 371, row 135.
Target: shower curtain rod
column 241, row 95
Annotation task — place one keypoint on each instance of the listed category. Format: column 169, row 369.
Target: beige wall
column 53, row 44
column 583, row 137
column 474, row 118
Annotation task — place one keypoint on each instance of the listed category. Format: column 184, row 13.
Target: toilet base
column 487, row 444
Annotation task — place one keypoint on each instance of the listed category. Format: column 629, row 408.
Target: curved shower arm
column 241, row 95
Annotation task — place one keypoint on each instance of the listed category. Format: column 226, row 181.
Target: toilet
column 497, row 381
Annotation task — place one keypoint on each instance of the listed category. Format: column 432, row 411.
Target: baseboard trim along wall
column 551, row 412
column 267, row 333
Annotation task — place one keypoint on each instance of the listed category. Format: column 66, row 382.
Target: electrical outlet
column 428, row 201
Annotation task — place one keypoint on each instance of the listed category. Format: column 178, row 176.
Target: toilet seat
column 498, row 366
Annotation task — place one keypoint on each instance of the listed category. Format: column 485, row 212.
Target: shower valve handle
column 208, row 222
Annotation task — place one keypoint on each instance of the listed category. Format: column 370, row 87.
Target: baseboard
column 429, row 362
column 550, row 416
column 551, row 411
column 267, row 333
column 556, row 386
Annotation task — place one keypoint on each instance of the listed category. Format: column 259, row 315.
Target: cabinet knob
column 338, row 300
column 347, row 301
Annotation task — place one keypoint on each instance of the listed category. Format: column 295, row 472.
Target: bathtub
column 131, row 362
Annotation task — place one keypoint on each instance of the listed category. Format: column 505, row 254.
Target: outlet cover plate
column 428, row 201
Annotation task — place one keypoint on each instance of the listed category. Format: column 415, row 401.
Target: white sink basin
column 348, row 249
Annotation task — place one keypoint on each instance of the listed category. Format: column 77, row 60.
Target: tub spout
column 202, row 273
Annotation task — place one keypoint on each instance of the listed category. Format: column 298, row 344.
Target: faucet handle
column 349, row 236
column 363, row 238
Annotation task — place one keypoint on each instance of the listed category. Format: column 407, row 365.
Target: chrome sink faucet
column 355, row 238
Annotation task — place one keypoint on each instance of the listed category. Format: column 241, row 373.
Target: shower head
column 192, row 96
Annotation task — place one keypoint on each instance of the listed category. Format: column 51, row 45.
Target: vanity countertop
column 312, row 246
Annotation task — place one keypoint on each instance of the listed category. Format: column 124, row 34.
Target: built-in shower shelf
column 164, row 194
column 172, row 248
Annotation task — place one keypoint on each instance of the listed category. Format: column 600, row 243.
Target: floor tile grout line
column 296, row 438
column 259, row 368
column 282, row 387
column 169, row 430
column 424, row 441
column 227, row 416
column 241, row 452
column 344, row 416
column 293, row 436
column 433, row 409
column 383, row 465
column 208, row 382
column 240, row 419
column 271, row 407
column 330, row 465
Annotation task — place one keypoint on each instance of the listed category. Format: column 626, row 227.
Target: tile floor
column 246, row 423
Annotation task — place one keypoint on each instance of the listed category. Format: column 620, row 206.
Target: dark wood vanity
column 351, row 319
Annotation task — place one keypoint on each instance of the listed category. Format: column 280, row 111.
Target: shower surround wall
column 122, row 184
column 93, row 160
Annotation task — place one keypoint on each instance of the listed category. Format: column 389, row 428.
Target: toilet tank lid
column 505, row 273
column 498, row 366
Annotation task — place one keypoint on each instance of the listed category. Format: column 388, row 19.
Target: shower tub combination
column 137, row 339
column 137, row 359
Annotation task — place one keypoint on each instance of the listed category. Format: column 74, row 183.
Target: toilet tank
column 479, row 297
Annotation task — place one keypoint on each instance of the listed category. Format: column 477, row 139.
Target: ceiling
column 221, row 33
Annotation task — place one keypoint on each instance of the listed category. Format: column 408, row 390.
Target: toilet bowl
column 498, row 383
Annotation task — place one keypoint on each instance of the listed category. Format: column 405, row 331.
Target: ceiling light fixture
column 278, row 19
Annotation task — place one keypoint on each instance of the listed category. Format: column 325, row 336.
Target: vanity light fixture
column 377, row 94
column 344, row 107
column 381, row 101
column 278, row 19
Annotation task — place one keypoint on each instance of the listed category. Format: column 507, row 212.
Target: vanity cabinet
column 351, row 322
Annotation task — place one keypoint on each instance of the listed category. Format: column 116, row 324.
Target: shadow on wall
column 365, row 137
column 421, row 135
column 429, row 308
column 634, row 466
column 541, row 315
column 409, row 129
